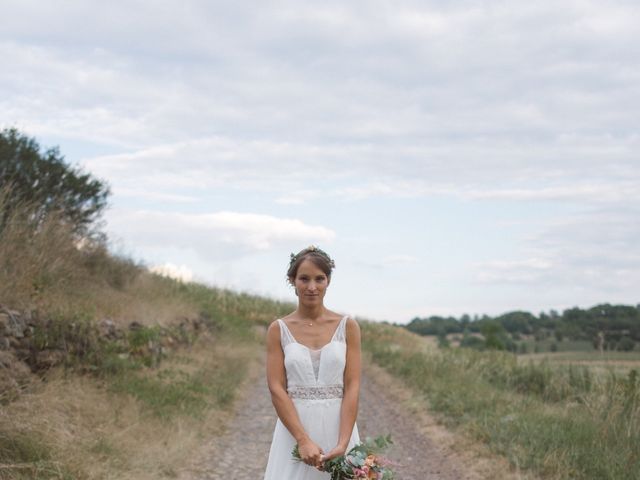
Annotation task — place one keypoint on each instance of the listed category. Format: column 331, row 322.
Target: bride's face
column 310, row 283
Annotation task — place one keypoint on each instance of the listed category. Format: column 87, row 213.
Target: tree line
column 608, row 327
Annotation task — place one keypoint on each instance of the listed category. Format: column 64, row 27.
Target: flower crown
column 312, row 248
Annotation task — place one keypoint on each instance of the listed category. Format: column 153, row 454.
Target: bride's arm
column 349, row 409
column 286, row 410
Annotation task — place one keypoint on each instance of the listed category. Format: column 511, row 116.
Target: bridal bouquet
column 362, row 462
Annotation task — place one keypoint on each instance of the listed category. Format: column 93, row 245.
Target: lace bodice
column 322, row 370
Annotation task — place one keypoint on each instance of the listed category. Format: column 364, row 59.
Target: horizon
column 473, row 316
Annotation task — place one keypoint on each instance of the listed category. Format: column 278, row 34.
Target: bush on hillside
column 626, row 344
column 43, row 180
column 470, row 341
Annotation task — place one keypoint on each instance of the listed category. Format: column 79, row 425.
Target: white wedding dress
column 315, row 384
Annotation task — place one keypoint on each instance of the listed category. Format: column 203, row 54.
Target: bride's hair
column 314, row 254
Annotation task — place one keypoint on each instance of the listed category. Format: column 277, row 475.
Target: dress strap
column 285, row 335
column 340, row 334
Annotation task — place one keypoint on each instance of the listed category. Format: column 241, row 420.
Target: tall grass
column 29, row 457
column 560, row 422
column 47, row 268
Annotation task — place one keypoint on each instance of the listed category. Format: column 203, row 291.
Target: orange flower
column 370, row 460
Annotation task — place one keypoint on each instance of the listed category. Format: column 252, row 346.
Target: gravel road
column 249, row 435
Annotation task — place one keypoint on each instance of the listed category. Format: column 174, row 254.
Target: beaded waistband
column 319, row 392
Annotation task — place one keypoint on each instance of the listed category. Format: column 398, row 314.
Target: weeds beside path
column 241, row 452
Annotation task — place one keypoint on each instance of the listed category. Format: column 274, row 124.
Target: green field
column 600, row 365
column 548, row 345
column 591, row 356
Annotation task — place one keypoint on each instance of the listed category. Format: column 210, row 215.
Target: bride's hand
column 334, row 452
column 310, row 452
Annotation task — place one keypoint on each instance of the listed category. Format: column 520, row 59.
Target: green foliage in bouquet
column 363, row 461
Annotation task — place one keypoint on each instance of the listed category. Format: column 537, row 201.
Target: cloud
column 594, row 252
column 177, row 272
column 530, row 270
column 620, row 192
column 219, row 236
column 299, row 197
column 399, row 259
column 321, row 71
column 418, row 99
column 390, row 261
column 139, row 193
column 269, row 165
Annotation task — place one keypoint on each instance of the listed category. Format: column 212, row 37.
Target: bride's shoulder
column 352, row 330
column 350, row 323
column 349, row 318
column 287, row 319
column 274, row 327
column 335, row 316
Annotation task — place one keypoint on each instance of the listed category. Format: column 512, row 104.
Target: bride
column 313, row 373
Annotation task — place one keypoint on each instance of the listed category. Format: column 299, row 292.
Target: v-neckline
column 313, row 349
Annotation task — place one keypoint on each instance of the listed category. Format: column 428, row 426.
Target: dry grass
column 94, row 433
column 47, row 268
column 399, row 338
column 148, row 299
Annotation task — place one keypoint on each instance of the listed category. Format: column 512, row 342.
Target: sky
column 451, row 156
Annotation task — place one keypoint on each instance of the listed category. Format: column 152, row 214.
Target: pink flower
column 359, row 473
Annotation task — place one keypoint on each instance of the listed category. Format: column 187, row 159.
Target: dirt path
column 241, row 453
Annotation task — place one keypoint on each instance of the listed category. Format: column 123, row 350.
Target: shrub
column 626, row 344
column 45, row 181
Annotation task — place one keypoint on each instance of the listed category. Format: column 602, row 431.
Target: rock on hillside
column 31, row 344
